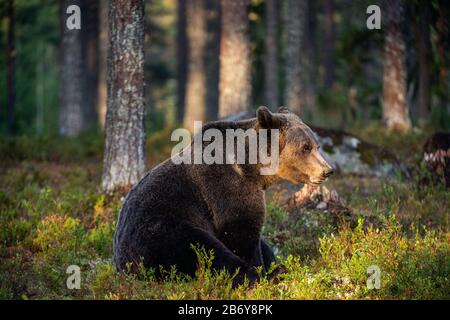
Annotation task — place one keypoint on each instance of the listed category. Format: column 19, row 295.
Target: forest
column 92, row 91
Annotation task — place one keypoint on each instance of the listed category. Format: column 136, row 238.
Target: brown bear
column 436, row 155
column 216, row 206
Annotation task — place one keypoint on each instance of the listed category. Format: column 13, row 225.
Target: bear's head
column 300, row 159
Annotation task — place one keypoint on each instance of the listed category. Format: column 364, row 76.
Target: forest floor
column 52, row 215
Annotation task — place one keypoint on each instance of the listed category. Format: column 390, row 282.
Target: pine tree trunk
column 91, row 60
column 294, row 68
column 102, row 62
column 11, row 64
column 196, row 73
column 395, row 109
column 182, row 62
column 271, row 56
column 310, row 60
column 235, row 63
column 330, row 38
column 212, row 59
column 124, row 159
column 71, row 92
column 443, row 48
column 424, row 57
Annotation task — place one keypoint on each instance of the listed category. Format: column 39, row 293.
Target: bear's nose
column 328, row 172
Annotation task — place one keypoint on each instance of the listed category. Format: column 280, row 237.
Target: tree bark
column 196, row 73
column 71, row 120
column 212, row 59
column 294, row 86
column 395, row 108
column 443, row 47
column 102, row 62
column 310, row 60
column 235, row 62
column 330, row 38
column 424, row 55
column 181, row 59
column 11, row 64
column 271, row 56
column 91, row 60
column 124, row 159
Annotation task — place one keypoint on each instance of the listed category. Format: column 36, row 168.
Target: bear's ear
column 283, row 110
column 266, row 119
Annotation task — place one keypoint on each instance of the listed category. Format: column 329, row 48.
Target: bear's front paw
column 277, row 272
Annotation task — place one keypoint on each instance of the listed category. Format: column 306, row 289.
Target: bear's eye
column 307, row 148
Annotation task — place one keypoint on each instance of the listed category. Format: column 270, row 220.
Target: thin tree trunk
column 443, row 47
column 294, row 83
column 71, row 120
column 196, row 74
column 91, row 60
column 124, row 160
column 395, row 108
column 181, row 59
column 212, row 59
column 40, row 86
column 102, row 62
column 271, row 56
column 330, row 38
column 424, row 55
column 310, row 58
column 11, row 63
column 235, row 62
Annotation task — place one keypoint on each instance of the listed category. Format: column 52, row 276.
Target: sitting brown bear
column 217, row 206
column 436, row 155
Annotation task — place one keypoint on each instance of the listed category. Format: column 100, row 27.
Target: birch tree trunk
column 395, row 108
column 196, row 73
column 124, row 159
column 71, row 91
column 235, row 64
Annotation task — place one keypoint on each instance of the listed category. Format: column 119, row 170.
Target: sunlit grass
column 53, row 215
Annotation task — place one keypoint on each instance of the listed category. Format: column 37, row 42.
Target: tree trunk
column 124, row 160
column 102, row 62
column 181, row 59
column 310, row 59
column 395, row 109
column 443, row 47
column 424, row 57
column 235, row 62
column 71, row 120
column 271, row 56
column 294, row 68
column 91, row 60
column 196, row 73
column 330, row 37
column 11, row 63
column 212, row 59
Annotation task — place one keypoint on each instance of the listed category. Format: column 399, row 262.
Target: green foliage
column 53, row 216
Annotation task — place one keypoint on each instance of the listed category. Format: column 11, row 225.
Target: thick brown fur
column 218, row 206
column 436, row 155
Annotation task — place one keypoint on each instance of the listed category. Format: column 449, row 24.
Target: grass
column 53, row 215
